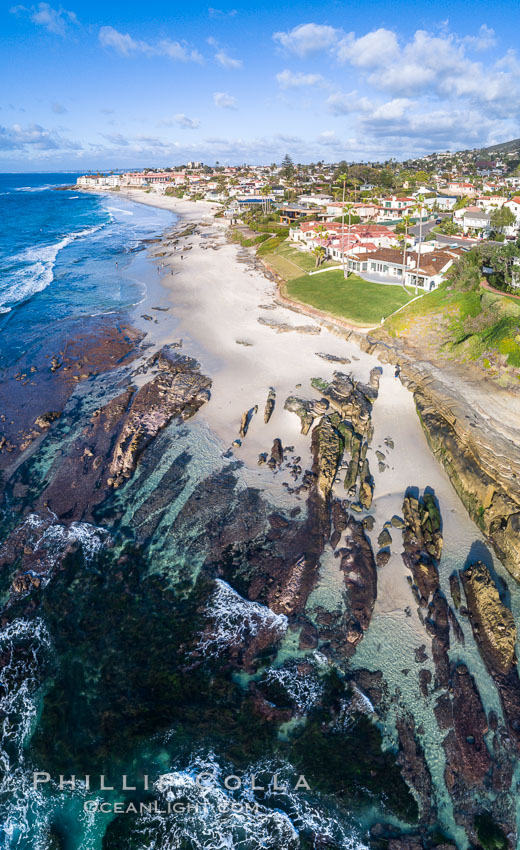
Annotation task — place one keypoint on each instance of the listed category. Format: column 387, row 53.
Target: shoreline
column 478, row 423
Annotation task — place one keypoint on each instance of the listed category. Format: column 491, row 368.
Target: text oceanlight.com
column 203, row 782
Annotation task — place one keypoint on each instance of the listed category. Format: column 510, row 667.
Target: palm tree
column 347, row 209
column 265, row 190
column 319, row 253
column 343, row 179
column 406, row 221
column 419, row 207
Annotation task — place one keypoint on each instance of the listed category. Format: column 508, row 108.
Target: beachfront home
column 101, row 181
column 334, row 237
column 292, row 212
column 426, row 273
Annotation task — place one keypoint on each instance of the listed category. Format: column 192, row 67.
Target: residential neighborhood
column 401, row 223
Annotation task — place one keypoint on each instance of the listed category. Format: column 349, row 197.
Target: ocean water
column 65, row 255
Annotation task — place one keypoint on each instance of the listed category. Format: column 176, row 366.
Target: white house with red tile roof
column 360, row 234
column 365, row 210
column 490, row 202
column 461, row 187
column 514, row 206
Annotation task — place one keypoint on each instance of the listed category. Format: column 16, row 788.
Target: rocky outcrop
column 488, row 491
column 327, row 448
column 269, row 405
column 492, row 621
column 303, row 408
column 109, row 447
column 359, row 568
column 414, row 766
column 494, row 630
column 246, row 420
column 179, row 390
column 282, row 327
column 467, row 756
column 422, row 541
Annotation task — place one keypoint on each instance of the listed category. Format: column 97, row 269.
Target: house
column 490, row 202
column 336, row 237
column 388, row 263
column 292, row 212
column 253, row 200
column 442, row 202
column 514, row 206
column 396, row 204
column 461, row 188
column 315, row 200
column 474, row 220
column 108, row 181
column 428, row 272
column 365, row 210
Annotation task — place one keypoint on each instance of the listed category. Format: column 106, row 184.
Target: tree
column 266, row 202
column 319, row 253
column 407, row 220
column 343, row 178
column 461, row 203
column 287, row 169
column 501, row 218
column 419, row 208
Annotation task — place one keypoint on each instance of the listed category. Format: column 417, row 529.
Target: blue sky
column 123, row 84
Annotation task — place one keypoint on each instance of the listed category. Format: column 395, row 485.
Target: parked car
column 438, row 220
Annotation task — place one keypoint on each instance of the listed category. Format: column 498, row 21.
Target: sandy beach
column 219, row 303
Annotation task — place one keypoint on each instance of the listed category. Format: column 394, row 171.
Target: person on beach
column 397, row 371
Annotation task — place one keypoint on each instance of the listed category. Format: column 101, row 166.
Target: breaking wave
column 237, row 620
column 32, row 270
column 23, row 646
column 198, row 810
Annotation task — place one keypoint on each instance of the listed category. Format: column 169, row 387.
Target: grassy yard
column 471, row 325
column 356, row 300
column 289, row 262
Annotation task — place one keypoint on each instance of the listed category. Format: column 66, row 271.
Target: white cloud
column 219, row 13
column 34, row 138
column 288, row 80
column 186, row 123
column 346, row 104
column 373, row 50
column 124, row 44
column 308, row 38
column 483, row 41
column 224, row 100
column 436, row 66
column 56, row 21
column 392, row 110
column 116, row 139
column 226, row 61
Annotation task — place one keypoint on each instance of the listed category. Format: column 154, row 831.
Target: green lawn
column 289, row 262
column 354, row 299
